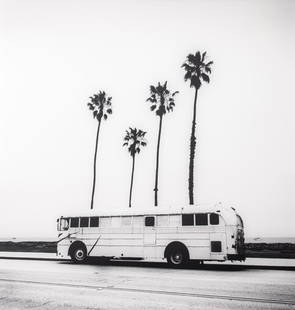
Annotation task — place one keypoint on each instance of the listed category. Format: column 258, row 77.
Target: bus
column 176, row 236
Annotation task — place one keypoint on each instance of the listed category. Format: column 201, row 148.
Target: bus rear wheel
column 79, row 254
column 177, row 256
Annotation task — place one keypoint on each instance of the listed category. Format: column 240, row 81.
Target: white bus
column 190, row 233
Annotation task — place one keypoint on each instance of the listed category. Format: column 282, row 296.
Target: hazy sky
column 55, row 54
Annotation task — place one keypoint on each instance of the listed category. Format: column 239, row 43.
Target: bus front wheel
column 79, row 254
column 177, row 256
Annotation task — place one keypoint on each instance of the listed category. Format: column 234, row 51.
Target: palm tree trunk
column 192, row 154
column 131, row 183
column 157, row 163
column 94, row 165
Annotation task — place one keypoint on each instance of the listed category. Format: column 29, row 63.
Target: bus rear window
column 240, row 221
column 216, row 246
column 214, row 219
column 84, row 221
column 187, row 219
column 94, row 221
column 201, row 219
column 74, row 222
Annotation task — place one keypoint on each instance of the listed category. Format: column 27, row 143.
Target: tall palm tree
column 134, row 139
column 162, row 101
column 197, row 71
column 101, row 106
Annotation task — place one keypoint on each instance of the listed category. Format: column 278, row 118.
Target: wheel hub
column 79, row 254
column 177, row 258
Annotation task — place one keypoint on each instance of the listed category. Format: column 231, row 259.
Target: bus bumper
column 239, row 257
column 62, row 252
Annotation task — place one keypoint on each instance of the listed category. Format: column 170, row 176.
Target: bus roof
column 228, row 213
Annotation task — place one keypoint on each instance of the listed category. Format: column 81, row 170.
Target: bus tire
column 78, row 252
column 177, row 255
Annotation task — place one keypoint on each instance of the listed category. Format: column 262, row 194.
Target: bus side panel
column 117, row 244
column 118, row 251
column 197, row 239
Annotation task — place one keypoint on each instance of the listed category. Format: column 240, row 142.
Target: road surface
column 28, row 284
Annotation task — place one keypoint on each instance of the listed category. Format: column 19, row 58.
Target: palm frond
column 196, row 69
column 198, row 57
column 203, row 56
column 187, row 75
column 134, row 139
column 195, row 81
column 188, row 67
column 160, row 98
column 191, row 58
column 153, row 89
column 205, row 77
column 101, row 105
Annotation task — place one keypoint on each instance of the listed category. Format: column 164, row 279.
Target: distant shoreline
column 247, row 240
column 253, row 249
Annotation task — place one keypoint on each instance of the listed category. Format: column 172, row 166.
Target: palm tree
column 101, row 106
column 197, row 71
column 162, row 101
column 134, row 139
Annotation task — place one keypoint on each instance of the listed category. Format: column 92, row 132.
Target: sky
column 55, row 54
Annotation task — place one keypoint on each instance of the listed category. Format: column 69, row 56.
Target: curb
column 33, row 258
column 206, row 266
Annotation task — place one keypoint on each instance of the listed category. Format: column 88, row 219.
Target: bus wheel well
column 173, row 245
column 75, row 245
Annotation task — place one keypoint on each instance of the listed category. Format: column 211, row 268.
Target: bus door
column 149, row 237
column 217, row 245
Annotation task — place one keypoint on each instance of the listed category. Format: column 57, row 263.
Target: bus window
column 174, row 220
column 201, row 219
column 137, row 221
column 74, row 222
column 94, row 221
column 126, row 221
column 215, row 246
column 149, row 221
column 187, row 219
column 214, row 219
column 116, row 221
column 84, row 221
column 162, row 220
column 105, row 221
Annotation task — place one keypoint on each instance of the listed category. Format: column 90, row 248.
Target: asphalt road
column 28, row 284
